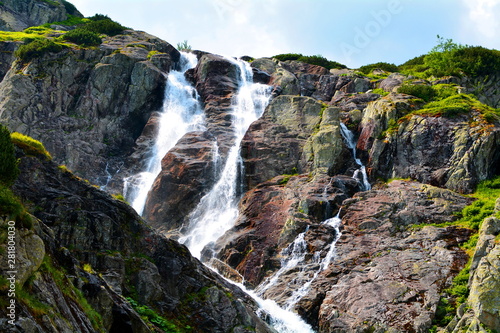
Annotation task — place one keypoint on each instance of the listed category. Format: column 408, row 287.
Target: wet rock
column 273, row 214
column 187, row 174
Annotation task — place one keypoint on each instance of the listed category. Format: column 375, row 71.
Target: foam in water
column 181, row 114
column 218, row 209
column 351, row 144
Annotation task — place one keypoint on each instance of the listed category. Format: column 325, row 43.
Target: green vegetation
column 313, row 60
column 12, row 208
column 450, row 58
column 29, row 145
column 59, row 275
column 8, row 168
column 37, row 48
column 154, row 320
column 102, row 24
column 422, row 91
column 184, row 46
column 380, row 91
column 470, row 217
column 82, row 37
column 367, row 69
column 456, row 105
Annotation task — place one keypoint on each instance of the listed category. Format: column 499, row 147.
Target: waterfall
column 218, row 209
column 351, row 144
column 181, row 114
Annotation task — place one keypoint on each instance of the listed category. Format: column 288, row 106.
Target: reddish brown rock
column 187, row 173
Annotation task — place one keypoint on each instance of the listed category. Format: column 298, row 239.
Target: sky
column 352, row 32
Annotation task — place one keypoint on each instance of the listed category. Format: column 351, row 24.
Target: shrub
column 288, row 56
column 37, row 48
column 103, row 25
column 8, row 166
column 312, row 60
column 367, row 69
column 29, row 145
column 83, row 37
column 184, row 46
column 476, row 60
column 424, row 92
column 321, row 61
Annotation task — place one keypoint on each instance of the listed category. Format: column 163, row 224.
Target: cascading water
column 218, row 209
column 351, row 143
column 181, row 114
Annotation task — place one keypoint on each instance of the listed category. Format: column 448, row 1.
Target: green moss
column 380, row 91
column 152, row 53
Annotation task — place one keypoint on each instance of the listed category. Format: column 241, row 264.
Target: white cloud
column 482, row 20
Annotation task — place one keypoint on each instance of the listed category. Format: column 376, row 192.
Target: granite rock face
column 88, row 105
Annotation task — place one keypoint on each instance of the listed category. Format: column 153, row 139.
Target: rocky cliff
column 408, row 253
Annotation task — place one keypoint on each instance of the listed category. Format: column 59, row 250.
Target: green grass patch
column 12, row 207
column 154, row 320
column 29, row 145
column 456, row 105
column 59, row 275
column 380, row 91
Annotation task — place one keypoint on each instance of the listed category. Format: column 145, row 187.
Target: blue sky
column 354, row 32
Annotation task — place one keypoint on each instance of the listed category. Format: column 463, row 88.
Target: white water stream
column 351, row 143
column 218, row 209
column 181, row 114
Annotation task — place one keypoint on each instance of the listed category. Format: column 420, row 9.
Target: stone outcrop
column 88, row 105
column 294, row 135
column 17, row 15
column 446, row 152
column 107, row 252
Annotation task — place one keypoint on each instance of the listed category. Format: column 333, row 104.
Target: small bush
column 288, row 56
column 83, row 37
column 184, row 46
column 367, row 69
column 29, row 145
column 37, row 48
column 104, row 26
column 8, row 166
column 312, row 60
column 321, row 61
column 424, row 92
